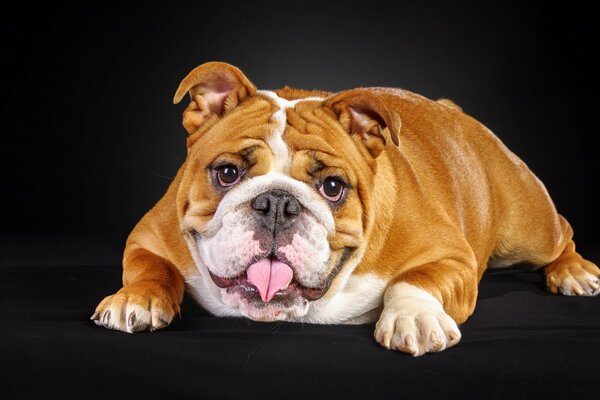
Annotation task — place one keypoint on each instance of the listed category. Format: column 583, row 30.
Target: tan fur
column 435, row 193
column 450, row 104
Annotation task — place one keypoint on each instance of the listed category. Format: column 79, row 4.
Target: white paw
column 413, row 321
column 138, row 307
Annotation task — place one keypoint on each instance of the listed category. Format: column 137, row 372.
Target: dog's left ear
column 367, row 113
column 214, row 88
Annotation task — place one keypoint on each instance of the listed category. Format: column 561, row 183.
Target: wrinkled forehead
column 283, row 128
column 286, row 137
column 249, row 124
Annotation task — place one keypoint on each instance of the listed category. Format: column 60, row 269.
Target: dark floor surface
column 521, row 342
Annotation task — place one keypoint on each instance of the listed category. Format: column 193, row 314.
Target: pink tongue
column 269, row 276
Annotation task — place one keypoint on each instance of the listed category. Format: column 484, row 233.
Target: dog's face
column 274, row 198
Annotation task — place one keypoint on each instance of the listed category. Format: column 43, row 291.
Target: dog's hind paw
column 573, row 276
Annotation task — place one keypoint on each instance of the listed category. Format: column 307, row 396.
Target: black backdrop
column 90, row 138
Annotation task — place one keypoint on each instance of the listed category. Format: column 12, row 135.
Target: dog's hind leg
column 531, row 231
column 571, row 274
column 551, row 246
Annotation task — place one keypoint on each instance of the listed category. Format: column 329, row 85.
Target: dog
column 367, row 205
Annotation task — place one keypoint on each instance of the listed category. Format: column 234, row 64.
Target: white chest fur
column 353, row 304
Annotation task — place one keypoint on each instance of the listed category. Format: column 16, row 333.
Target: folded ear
column 367, row 113
column 214, row 88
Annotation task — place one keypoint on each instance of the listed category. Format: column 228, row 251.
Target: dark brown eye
column 332, row 189
column 227, row 175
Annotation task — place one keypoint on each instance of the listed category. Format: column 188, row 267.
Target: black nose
column 276, row 209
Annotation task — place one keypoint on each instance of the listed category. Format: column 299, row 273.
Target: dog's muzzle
column 270, row 276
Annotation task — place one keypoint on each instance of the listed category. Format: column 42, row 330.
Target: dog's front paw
column 414, row 322
column 140, row 306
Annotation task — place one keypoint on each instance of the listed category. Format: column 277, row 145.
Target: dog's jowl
column 368, row 205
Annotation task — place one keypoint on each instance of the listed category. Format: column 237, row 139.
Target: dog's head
column 274, row 199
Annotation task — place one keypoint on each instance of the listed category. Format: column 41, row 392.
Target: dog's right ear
column 214, row 88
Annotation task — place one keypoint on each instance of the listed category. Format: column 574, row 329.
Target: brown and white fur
column 430, row 197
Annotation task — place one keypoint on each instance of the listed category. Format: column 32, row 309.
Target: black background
column 90, row 139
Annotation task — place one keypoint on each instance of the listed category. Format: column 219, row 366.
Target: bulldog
column 371, row 204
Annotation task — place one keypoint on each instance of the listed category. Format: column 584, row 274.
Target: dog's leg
column 572, row 275
column 550, row 245
column 423, row 306
column 152, row 291
column 531, row 231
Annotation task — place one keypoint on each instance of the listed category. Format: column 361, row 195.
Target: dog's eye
column 227, row 175
column 332, row 189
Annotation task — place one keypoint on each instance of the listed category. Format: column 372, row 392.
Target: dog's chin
column 292, row 301
column 286, row 304
column 274, row 310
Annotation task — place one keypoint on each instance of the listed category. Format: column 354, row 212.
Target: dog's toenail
column 132, row 319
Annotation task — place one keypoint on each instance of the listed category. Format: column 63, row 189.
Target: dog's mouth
column 268, row 280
